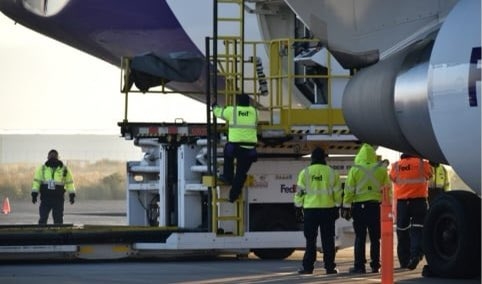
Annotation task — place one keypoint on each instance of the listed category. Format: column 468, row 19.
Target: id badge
column 51, row 184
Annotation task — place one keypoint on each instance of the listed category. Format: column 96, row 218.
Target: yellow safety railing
column 279, row 105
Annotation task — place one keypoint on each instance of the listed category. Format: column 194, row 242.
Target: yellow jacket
column 318, row 186
column 243, row 124
column 53, row 178
column 366, row 178
column 440, row 178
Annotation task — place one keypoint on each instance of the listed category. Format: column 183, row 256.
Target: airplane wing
column 111, row 29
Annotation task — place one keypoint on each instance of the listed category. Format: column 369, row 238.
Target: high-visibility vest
column 439, row 178
column 364, row 183
column 59, row 177
column 243, row 123
column 410, row 178
column 318, row 186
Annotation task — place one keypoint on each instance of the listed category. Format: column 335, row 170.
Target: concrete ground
column 223, row 269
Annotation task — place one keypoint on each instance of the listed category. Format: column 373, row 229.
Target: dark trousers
column 324, row 220
column 51, row 200
column 366, row 218
column 433, row 193
column 244, row 159
column 410, row 218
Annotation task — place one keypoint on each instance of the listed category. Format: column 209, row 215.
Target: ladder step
column 230, row 2
column 229, row 218
column 229, row 56
column 222, row 199
column 229, row 19
column 229, row 38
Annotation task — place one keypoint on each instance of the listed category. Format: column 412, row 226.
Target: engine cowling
column 425, row 100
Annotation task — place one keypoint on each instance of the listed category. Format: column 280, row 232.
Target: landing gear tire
column 281, row 253
column 283, row 221
column 451, row 236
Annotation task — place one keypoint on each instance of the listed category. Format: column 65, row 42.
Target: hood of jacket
column 366, row 155
column 54, row 163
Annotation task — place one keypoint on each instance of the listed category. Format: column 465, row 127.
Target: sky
column 49, row 87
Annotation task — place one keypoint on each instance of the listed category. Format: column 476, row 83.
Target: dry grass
column 100, row 180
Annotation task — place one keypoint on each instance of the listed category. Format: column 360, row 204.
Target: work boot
column 232, row 198
column 357, row 270
column 412, row 264
column 426, row 272
column 304, row 271
column 404, row 263
column 375, row 265
column 222, row 179
column 332, row 271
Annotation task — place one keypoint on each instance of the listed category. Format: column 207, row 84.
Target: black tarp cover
column 151, row 70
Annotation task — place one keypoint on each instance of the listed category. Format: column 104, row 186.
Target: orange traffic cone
column 6, row 206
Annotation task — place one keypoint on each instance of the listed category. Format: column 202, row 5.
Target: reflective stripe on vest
column 45, row 181
column 369, row 175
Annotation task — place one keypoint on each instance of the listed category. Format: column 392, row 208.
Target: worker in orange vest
column 410, row 177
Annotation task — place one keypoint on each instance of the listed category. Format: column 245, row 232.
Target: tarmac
column 200, row 270
column 220, row 269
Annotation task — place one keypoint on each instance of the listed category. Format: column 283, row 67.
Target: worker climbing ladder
column 227, row 59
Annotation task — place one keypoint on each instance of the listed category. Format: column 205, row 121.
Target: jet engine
column 425, row 100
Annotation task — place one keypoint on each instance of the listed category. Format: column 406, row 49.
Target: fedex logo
column 474, row 75
column 404, row 168
column 317, row 178
column 288, row 189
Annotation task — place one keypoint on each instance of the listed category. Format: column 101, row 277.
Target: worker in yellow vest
column 439, row 182
column 52, row 180
column 320, row 195
column 362, row 199
column 242, row 119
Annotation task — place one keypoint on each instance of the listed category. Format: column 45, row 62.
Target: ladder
column 228, row 63
column 228, row 47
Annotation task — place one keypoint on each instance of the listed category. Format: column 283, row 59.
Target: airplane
column 415, row 87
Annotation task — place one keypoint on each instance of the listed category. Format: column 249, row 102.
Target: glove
column 34, row 197
column 346, row 213
column 72, row 198
column 300, row 193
